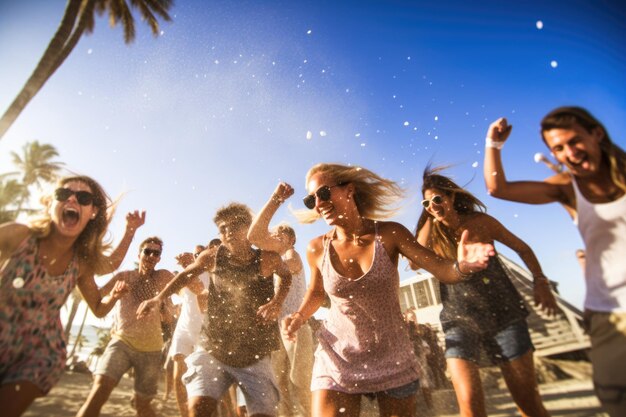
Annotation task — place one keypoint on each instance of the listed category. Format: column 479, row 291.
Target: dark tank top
column 486, row 302
column 232, row 332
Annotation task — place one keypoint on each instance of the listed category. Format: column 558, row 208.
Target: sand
column 569, row 397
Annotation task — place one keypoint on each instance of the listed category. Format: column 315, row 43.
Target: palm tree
column 77, row 298
column 79, row 17
column 36, row 167
column 10, row 192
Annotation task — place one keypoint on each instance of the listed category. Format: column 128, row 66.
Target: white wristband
column 490, row 143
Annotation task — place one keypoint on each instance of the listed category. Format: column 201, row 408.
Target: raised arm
column 314, row 296
column 471, row 257
column 204, row 262
column 531, row 192
column 101, row 302
column 259, row 234
column 134, row 220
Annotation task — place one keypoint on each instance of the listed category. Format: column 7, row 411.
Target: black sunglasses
column 323, row 193
column 437, row 199
column 152, row 252
column 84, row 198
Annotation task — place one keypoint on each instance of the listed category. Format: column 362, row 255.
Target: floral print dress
column 32, row 344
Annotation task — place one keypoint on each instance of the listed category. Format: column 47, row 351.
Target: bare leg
column 397, row 407
column 143, row 407
column 467, row 387
column 16, row 397
column 202, row 406
column 181, row 392
column 519, row 375
column 99, row 394
column 327, row 403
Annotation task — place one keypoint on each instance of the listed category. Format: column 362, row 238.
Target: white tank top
column 603, row 229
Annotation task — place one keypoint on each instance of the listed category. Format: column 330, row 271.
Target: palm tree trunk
column 46, row 66
column 80, row 332
column 70, row 319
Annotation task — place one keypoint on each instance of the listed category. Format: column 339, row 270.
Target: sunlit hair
column 441, row 239
column 373, row 194
column 152, row 239
column 90, row 244
column 234, row 212
column 287, row 230
column 569, row 116
column 214, row 242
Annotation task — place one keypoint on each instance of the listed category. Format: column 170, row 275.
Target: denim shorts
column 504, row 346
column 398, row 393
column 118, row 358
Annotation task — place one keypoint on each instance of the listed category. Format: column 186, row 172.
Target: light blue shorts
column 208, row 377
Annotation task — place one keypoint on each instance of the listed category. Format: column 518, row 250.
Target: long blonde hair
column 373, row 194
column 442, row 239
column 90, row 246
column 566, row 117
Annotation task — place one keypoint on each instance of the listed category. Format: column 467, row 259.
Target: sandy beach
column 568, row 397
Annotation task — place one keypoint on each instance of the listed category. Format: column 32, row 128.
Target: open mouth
column 70, row 217
column 582, row 163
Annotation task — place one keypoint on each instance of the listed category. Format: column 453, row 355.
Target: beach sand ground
column 570, row 397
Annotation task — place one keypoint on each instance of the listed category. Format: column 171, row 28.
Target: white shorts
column 183, row 343
column 208, row 377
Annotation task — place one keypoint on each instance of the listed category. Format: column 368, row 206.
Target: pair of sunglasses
column 84, row 198
column 152, row 252
column 323, row 193
column 437, row 199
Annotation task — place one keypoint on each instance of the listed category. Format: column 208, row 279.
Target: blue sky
column 219, row 106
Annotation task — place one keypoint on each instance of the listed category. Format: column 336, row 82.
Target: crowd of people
column 243, row 344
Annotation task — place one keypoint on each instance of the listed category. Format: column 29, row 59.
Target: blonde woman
column 40, row 265
column 364, row 347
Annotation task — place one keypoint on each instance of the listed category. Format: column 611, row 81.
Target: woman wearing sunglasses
column 485, row 311
column 364, row 348
column 39, row 266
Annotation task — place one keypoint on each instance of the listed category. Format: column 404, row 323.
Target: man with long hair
column 593, row 191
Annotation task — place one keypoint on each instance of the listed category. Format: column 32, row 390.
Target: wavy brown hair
column 90, row 246
column 568, row 116
column 373, row 194
column 441, row 239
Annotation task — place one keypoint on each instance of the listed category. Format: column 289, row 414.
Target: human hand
column 148, row 306
column 499, row 130
column 269, row 312
column 119, row 290
column 135, row 219
column 473, row 257
column 544, row 298
column 291, row 324
column 282, row 192
column 185, row 259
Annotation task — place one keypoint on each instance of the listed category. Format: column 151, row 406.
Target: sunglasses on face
column 323, row 193
column 152, row 252
column 437, row 199
column 84, row 198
